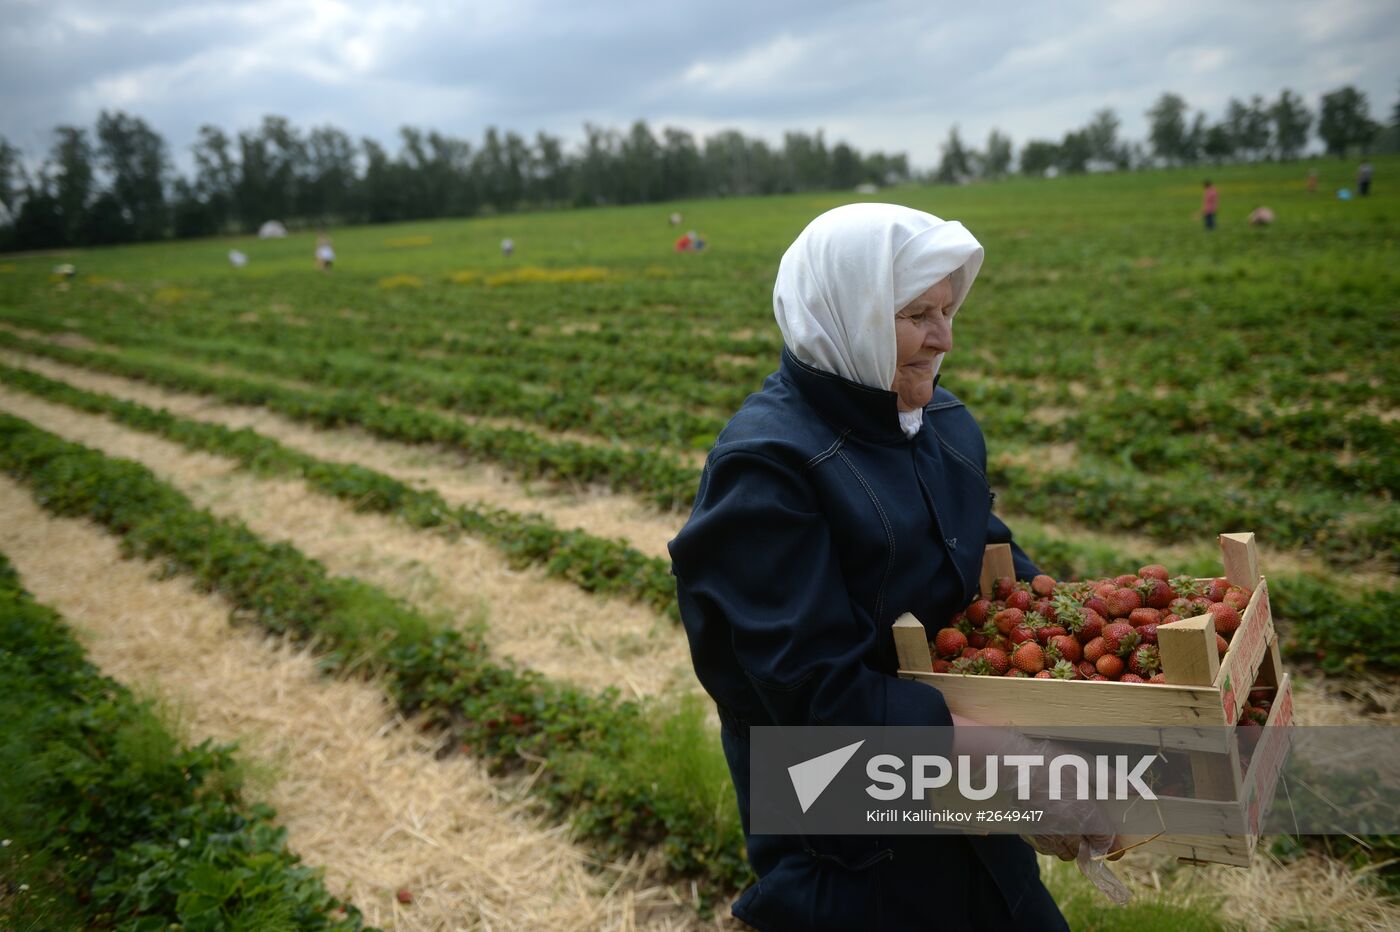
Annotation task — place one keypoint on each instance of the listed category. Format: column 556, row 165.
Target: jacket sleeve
column 999, row 533
column 758, row 560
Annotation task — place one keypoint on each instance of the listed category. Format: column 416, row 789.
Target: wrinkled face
column 923, row 331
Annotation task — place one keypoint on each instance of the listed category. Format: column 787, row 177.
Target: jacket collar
column 869, row 413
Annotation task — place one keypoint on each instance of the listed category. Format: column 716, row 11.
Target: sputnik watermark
column 1115, row 776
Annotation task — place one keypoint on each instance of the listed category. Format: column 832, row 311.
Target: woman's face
column 923, row 331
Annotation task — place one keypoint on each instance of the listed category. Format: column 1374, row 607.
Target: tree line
column 116, row 183
column 1247, row 131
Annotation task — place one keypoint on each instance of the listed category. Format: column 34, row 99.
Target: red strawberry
column 1043, row 586
column 1015, row 672
column 978, row 639
column 1261, row 694
column 1154, row 571
column 1098, row 605
column 1067, row 647
column 1019, row 599
column 941, row 666
column 1098, row 676
column 949, row 642
column 1181, row 608
column 1131, row 678
column 1227, row 619
column 1064, row 670
column 1145, row 661
column 1144, row 616
column 1216, row 589
column 1127, row 579
column 977, row 612
column 1046, row 609
column 1148, row 633
column 1155, row 593
column 1022, row 633
column 1121, row 602
column 1200, row 605
column 1008, row 618
column 1095, row 649
column 1158, row 678
column 1086, row 669
column 969, row 653
column 1045, row 633
column 1221, row 645
column 1043, row 675
column 1120, row 638
column 1091, row 627
column 1003, row 587
column 404, row 895
column 1029, row 657
column 1110, row 666
column 997, row 660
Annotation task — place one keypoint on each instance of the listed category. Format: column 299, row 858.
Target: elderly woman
column 850, row 490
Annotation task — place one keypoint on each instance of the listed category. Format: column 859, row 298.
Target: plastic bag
column 1093, row 866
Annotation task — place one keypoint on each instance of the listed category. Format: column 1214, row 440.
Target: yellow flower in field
column 531, row 274
column 173, row 294
column 401, row 281
column 464, row 277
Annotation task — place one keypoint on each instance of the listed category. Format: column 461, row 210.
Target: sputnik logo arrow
column 811, row 777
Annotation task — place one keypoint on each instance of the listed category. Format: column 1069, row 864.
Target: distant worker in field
column 507, row 247
column 675, row 218
column 1312, row 181
column 1210, row 203
column 683, row 244
column 237, row 259
column 325, row 255
column 1261, row 217
column 1363, row 179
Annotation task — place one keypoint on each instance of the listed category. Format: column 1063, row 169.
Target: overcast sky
column 887, row 75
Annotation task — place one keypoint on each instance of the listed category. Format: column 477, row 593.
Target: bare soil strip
column 360, row 791
column 453, row 476
column 543, row 623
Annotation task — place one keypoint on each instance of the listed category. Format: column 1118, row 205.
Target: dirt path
column 455, row 478
column 359, row 794
column 543, row 623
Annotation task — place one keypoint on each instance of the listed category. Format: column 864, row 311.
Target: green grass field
column 1143, row 385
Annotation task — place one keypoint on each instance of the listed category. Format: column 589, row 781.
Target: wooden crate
column 1203, row 692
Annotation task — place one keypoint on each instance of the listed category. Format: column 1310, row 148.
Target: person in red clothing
column 1210, row 202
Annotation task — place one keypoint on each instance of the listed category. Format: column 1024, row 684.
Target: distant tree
column 846, row 168
column 327, row 175
column 1219, row 142
column 1346, row 121
column 1291, row 121
column 806, row 164
column 1392, row 133
column 956, row 163
column 134, row 158
column 641, row 165
column 1102, row 136
column 996, row 161
column 215, row 184
column 1195, row 142
column 1039, row 155
column 378, row 197
column 551, row 170
column 12, row 180
column 1168, row 132
column 74, row 190
column 1075, row 151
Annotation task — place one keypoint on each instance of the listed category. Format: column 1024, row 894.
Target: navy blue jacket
column 816, row 525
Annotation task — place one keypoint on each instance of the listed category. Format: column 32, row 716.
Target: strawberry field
column 1143, row 384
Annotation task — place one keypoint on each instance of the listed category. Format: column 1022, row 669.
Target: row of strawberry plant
column 110, row 822
column 596, row 565
column 629, row 775
column 1096, row 495
column 660, row 479
column 1324, row 622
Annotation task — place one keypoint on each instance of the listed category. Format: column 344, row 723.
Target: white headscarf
column 844, row 277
